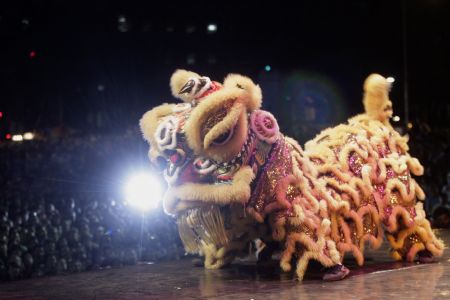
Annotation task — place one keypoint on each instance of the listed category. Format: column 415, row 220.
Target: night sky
column 91, row 64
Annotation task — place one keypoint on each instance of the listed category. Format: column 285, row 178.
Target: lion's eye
column 224, row 137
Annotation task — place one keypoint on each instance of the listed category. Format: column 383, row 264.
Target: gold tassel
column 202, row 225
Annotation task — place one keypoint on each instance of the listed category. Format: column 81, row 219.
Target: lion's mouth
column 205, row 170
column 171, row 173
column 179, row 172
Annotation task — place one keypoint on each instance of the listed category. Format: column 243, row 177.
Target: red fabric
column 215, row 86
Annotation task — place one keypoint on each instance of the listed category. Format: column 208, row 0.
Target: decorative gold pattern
column 215, row 118
column 393, row 199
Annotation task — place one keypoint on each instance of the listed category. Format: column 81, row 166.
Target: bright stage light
column 395, row 118
column 212, row 27
column 17, row 138
column 390, row 79
column 28, row 136
column 144, row 191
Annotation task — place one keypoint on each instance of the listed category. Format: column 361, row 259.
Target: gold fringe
column 202, row 225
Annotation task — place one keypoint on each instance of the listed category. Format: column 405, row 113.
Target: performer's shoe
column 426, row 257
column 336, row 272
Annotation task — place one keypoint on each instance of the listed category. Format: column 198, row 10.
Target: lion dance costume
column 233, row 178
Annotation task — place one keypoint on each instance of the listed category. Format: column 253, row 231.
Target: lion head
column 205, row 146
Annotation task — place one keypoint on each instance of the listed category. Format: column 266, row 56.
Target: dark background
column 99, row 65
column 80, row 74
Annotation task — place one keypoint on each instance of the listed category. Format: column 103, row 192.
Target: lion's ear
column 254, row 99
column 178, row 80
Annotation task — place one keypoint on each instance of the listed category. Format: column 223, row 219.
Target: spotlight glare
column 390, row 79
column 28, row 136
column 17, row 138
column 143, row 191
column 212, row 27
column 268, row 68
column 395, row 118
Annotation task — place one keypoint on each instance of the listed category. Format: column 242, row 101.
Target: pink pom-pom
column 265, row 126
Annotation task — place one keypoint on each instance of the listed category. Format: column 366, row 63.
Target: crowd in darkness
column 432, row 147
column 61, row 210
column 61, row 213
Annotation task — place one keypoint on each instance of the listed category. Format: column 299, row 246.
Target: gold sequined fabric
column 278, row 166
column 215, row 118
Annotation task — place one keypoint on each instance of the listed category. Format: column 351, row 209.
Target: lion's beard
column 202, row 225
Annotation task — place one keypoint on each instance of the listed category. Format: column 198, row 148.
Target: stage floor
column 380, row 278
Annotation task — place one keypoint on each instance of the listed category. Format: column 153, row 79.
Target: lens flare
column 144, row 191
